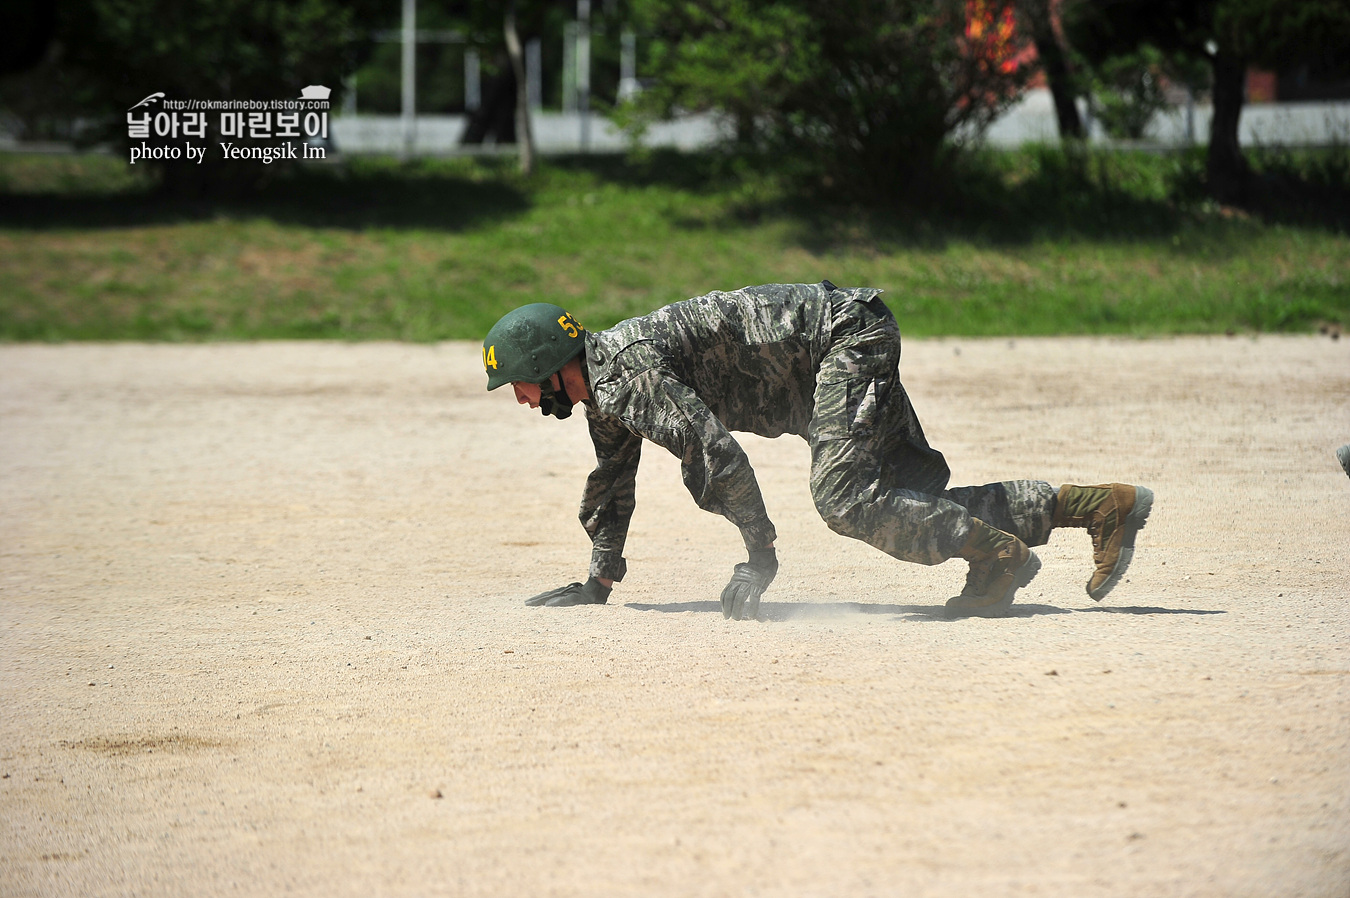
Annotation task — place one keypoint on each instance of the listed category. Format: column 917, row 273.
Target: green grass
column 1025, row 243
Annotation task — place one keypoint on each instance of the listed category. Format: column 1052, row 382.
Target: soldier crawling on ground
column 814, row 360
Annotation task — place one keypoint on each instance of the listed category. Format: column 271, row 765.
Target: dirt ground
column 261, row 631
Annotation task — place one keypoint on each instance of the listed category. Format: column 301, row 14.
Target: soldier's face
column 529, row 394
column 526, row 393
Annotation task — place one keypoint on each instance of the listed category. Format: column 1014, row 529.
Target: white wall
column 1031, row 120
column 554, row 132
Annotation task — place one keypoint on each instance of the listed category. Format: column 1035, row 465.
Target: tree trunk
column 524, row 134
column 1225, row 166
column 1055, row 65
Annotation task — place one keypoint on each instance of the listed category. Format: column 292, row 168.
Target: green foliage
column 110, row 54
column 1098, row 30
column 440, row 80
column 440, row 66
column 1281, row 35
column 1127, row 92
column 727, row 57
column 1227, row 35
column 865, row 94
column 1271, row 33
column 1030, row 242
column 212, row 49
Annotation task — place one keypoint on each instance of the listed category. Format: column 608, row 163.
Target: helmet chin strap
column 554, row 402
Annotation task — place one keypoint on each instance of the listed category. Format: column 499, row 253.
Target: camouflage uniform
column 807, row 359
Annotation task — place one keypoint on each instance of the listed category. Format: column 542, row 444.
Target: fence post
column 473, row 85
column 584, row 71
column 569, row 67
column 628, row 84
column 409, row 74
column 534, row 79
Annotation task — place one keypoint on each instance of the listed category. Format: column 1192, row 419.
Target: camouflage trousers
column 873, row 475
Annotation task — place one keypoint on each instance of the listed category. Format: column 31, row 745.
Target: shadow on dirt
column 1148, row 609
column 779, row 612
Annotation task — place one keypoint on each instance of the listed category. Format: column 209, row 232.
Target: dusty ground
column 261, row 631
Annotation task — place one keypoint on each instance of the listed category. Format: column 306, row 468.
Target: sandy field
column 262, row 632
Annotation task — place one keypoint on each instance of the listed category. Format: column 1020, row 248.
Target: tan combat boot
column 1000, row 564
column 1112, row 513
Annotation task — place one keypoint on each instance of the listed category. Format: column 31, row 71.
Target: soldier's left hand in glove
column 592, row 592
column 740, row 598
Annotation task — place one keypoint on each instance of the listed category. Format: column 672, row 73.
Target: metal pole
column 524, row 137
column 473, row 83
column 349, row 98
column 569, row 69
column 409, row 74
column 534, row 82
column 584, row 71
column 628, row 86
column 1190, row 116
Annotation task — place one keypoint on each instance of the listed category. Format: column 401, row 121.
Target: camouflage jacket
column 686, row 375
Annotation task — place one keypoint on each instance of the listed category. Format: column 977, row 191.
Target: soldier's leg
column 853, row 496
column 1024, row 508
column 854, row 500
column 875, row 478
column 861, row 410
column 1113, row 514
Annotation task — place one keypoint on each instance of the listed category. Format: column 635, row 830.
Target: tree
column 524, row 133
column 29, row 28
column 1228, row 35
column 865, row 93
column 1038, row 17
column 504, row 113
column 1127, row 92
column 122, row 50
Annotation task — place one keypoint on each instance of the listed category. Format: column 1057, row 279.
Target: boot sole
column 1024, row 575
column 1134, row 522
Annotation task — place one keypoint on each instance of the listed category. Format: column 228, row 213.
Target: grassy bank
column 1032, row 243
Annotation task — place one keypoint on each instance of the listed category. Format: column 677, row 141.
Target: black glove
column 740, row 598
column 592, row 593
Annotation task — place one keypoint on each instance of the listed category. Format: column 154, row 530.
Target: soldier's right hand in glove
column 740, row 598
column 592, row 592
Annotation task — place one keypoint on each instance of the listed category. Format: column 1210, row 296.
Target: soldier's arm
column 714, row 467
column 609, row 498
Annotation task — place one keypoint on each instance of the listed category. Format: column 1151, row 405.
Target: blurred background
column 997, row 166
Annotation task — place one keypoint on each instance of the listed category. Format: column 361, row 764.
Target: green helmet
column 530, row 344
